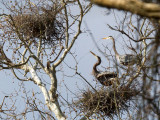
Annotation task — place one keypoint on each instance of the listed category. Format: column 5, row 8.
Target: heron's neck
column 95, row 66
column 114, row 48
column 95, row 69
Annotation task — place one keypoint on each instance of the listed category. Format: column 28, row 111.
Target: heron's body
column 105, row 78
column 127, row 59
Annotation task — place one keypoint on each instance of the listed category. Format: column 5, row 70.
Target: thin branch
column 73, row 40
column 67, row 24
column 28, row 79
column 86, row 81
column 57, row 55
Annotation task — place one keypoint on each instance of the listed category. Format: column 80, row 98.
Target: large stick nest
column 106, row 103
column 41, row 23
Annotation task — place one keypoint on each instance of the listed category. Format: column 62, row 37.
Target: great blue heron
column 105, row 78
column 127, row 59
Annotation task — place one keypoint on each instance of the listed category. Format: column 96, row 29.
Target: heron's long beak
column 93, row 53
column 106, row 38
column 32, row 4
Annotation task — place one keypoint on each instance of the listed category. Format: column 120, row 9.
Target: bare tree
column 139, row 84
column 39, row 36
column 145, row 30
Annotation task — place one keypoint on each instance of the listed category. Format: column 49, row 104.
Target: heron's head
column 109, row 37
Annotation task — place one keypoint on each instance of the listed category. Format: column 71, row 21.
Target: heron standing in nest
column 127, row 59
column 105, row 78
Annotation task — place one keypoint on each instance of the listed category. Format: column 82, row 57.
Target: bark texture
column 138, row 7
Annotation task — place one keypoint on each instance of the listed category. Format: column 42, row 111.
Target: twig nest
column 40, row 23
column 105, row 103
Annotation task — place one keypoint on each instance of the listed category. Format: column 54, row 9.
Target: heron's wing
column 106, row 78
column 127, row 59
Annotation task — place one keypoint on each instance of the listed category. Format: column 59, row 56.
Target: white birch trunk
column 51, row 102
